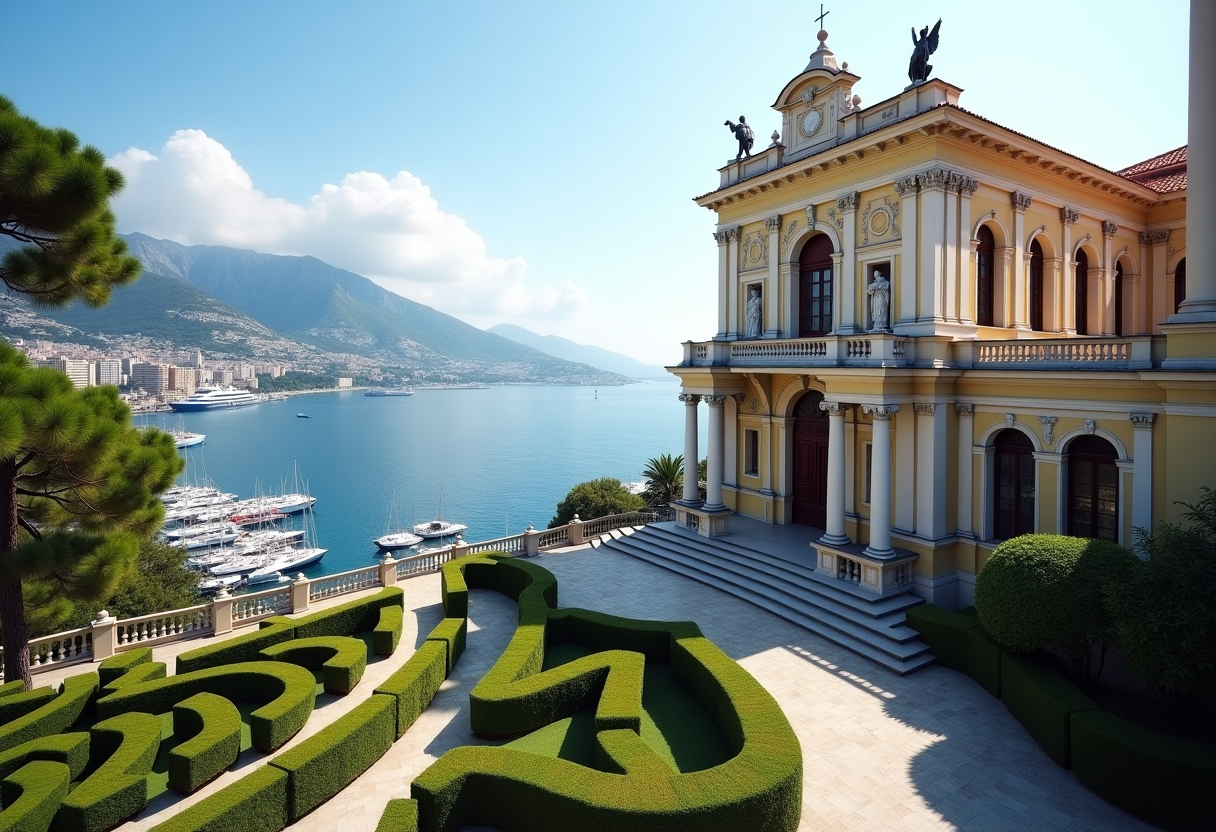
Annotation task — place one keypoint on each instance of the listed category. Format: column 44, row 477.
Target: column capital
column 720, row 238
column 773, row 224
column 956, row 183
column 964, row 408
column 925, row 407
column 847, row 202
column 934, row 179
column 1020, row 201
column 834, row 408
column 1156, row 237
column 906, row 186
column 1069, row 215
column 1109, row 228
column 880, row 412
column 690, row 399
column 738, row 397
column 1142, row 421
column 734, row 234
column 715, row 401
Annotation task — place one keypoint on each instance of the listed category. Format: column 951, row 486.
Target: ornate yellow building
column 935, row 333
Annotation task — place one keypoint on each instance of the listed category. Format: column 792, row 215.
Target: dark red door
column 810, row 463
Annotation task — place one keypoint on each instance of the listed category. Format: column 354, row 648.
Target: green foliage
column 210, row 726
column 56, row 716
column 136, row 675
column 1161, row 779
column 299, row 380
column 255, row 803
column 328, row 761
column 54, row 199
column 70, row 749
column 340, row 659
column 17, row 706
column 451, row 633
column 126, row 747
column 246, row 648
column 122, row 663
column 159, row 581
column 1041, row 590
column 597, row 498
column 387, row 634
column 32, row 795
column 1165, row 613
column 399, row 816
column 664, row 476
column 352, row 617
column 1043, row 701
column 415, row 684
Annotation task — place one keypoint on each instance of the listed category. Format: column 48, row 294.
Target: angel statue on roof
column 919, row 66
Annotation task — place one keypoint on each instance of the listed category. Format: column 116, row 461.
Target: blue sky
column 534, row 162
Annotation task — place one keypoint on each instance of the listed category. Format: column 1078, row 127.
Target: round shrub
column 1042, row 590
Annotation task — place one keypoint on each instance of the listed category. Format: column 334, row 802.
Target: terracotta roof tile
column 1164, row 174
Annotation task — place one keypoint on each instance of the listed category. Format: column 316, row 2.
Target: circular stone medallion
column 810, row 122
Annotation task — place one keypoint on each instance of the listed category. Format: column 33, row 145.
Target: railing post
column 104, row 632
column 388, row 571
column 299, row 593
column 221, row 612
column 575, row 530
column 459, row 548
column 531, row 542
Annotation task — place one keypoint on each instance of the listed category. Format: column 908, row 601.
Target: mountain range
column 592, row 356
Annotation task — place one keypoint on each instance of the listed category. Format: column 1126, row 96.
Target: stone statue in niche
column 880, row 303
column 919, row 66
column 755, row 313
column 743, row 132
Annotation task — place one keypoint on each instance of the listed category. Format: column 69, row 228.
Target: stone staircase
column 835, row 610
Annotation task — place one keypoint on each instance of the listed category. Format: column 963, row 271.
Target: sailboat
column 440, row 527
column 395, row 537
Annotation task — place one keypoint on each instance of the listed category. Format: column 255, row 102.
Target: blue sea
column 502, row 456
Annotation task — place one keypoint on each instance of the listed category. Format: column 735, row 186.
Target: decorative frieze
column 1049, row 424
column 790, row 228
column 964, row 408
column 880, row 412
column 1154, row 238
column 1069, row 215
column 1109, row 228
column 880, row 221
column 753, row 254
column 934, row 179
column 1142, row 421
column 773, row 224
column 848, row 202
column 1020, row 201
column 906, row 186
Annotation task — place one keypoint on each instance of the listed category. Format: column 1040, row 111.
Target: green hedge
column 10, row 688
column 451, row 633
column 234, row 650
column 387, row 634
column 352, row 617
column 415, row 683
column 70, row 749
column 255, row 803
column 1043, row 701
column 136, row 675
column 945, row 632
column 18, row 705
column 56, row 716
column 210, row 727
column 1164, row 780
column 399, row 816
column 286, row 693
column 32, row 795
column 121, row 663
column 481, row 571
column 984, row 660
column 341, row 659
column 328, row 761
column 118, row 788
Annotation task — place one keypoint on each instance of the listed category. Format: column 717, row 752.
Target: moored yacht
column 215, row 398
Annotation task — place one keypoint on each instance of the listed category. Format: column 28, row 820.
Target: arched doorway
column 1013, row 487
column 985, row 258
column 1093, row 488
column 810, row 461
column 815, row 287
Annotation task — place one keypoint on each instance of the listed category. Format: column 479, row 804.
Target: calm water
column 504, row 456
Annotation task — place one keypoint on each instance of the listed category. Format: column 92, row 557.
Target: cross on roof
column 822, row 15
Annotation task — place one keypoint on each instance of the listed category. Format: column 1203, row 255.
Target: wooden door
column 811, row 463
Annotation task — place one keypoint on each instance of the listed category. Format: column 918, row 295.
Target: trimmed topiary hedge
column 1161, row 779
column 945, row 632
column 118, row 788
column 210, row 727
column 340, row 659
column 399, row 816
column 70, row 749
column 122, row 663
column 286, row 693
column 18, row 705
column 32, row 795
column 234, row 650
column 10, row 688
column 415, row 684
column 387, row 634
column 1043, row 701
column 56, row 716
column 255, row 803
column 140, row 673
column 352, row 617
column 452, row 633
column 328, row 761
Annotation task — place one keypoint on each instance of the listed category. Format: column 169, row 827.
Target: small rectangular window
column 868, row 464
column 751, row 453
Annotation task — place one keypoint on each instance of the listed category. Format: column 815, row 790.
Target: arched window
column 1119, row 298
column 1036, row 286
column 1179, row 283
column 1093, row 489
column 985, row 255
column 1013, row 490
column 815, row 287
column 1082, row 293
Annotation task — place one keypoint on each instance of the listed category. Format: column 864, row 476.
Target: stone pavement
column 930, row 751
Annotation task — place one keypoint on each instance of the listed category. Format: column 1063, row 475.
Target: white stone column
column 948, row 303
column 850, row 467
column 880, row 481
column 834, row 533
column 1107, row 304
column 730, row 440
column 1142, row 472
column 930, row 470
column 713, row 468
column 932, row 243
column 1002, row 290
column 772, row 325
column 904, row 513
column 1053, row 281
column 734, row 238
column 845, row 301
column 787, row 308
column 722, row 238
column 1200, row 303
column 692, row 494
column 1162, row 301
column 966, row 436
column 1021, row 276
column 1068, row 218
column 966, row 250
column 907, row 190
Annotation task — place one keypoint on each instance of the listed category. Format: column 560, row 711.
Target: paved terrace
column 930, row 751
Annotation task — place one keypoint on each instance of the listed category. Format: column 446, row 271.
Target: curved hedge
column 210, row 727
column 387, row 634
column 145, row 672
column 122, row 663
column 118, row 788
column 18, row 705
column 341, row 659
column 70, row 749
column 415, row 684
column 56, row 716
column 32, row 795
column 255, row 803
column 286, row 693
column 352, row 617
column 238, row 649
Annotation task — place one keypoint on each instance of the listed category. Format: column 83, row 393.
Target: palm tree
column 664, row 475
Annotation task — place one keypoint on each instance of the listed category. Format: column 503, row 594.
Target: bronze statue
column 744, row 134
column 919, row 67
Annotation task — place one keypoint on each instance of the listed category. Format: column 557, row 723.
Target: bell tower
column 812, row 104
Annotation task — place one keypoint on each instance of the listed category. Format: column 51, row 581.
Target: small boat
column 394, row 536
column 440, row 527
column 303, row 416
column 399, row 391
column 209, row 585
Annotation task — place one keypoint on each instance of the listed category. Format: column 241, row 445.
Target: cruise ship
column 216, row 398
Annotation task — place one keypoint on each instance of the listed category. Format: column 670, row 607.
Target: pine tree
column 54, row 201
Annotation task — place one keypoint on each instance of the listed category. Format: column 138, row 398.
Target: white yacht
column 397, row 540
column 215, row 398
column 440, row 527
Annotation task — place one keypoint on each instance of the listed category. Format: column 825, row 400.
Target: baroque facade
column 964, row 335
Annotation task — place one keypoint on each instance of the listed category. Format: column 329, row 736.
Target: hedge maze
column 587, row 707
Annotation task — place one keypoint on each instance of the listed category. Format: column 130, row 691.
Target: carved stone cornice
column 1020, row 201
column 834, row 408
column 1154, row 237
column 1109, row 228
column 1142, row 421
column 934, row 179
column 715, row 401
column 690, row 399
column 906, row 186
column 848, row 202
column 773, row 224
column 964, row 408
column 925, row 407
column 881, row 412
column 1069, row 215
column 1049, row 423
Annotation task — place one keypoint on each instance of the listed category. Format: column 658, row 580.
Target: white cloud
column 390, row 230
